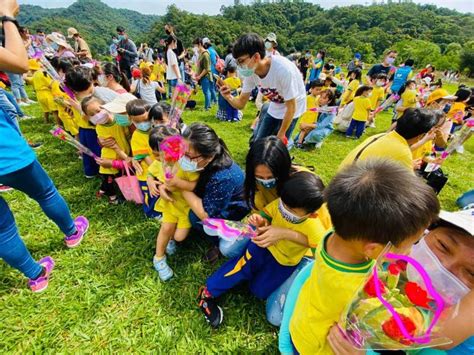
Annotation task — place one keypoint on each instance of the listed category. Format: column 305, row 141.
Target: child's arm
column 269, row 235
column 153, row 185
column 148, row 160
column 181, row 184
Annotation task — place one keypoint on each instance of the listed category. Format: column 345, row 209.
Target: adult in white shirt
column 279, row 80
column 271, row 45
column 172, row 67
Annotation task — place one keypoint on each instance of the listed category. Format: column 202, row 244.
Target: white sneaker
column 25, row 117
column 23, row 104
column 319, row 145
column 371, row 125
column 31, row 101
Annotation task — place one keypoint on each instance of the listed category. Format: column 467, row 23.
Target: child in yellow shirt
column 175, row 224
column 354, row 77
column 407, row 98
column 267, row 263
column 43, row 83
column 457, row 110
column 137, row 111
column 378, row 94
column 107, row 127
column 308, row 118
column 363, row 225
column 361, row 114
column 225, row 111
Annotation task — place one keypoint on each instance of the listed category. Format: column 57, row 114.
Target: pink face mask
column 100, row 118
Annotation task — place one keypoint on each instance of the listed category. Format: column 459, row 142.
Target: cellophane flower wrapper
column 180, row 98
column 173, row 149
column 369, row 324
column 228, row 230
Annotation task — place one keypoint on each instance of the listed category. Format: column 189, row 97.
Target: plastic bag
column 129, row 186
column 390, row 312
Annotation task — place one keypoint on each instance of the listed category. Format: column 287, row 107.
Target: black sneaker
column 212, row 312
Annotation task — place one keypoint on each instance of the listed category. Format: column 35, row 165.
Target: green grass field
column 105, row 296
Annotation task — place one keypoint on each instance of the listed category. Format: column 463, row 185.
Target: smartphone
column 218, row 80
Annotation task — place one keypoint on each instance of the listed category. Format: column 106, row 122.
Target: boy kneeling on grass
column 269, row 261
column 371, row 203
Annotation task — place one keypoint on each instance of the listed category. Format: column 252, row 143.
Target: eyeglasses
column 241, row 60
column 195, row 158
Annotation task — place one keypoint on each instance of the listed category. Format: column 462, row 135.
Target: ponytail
column 124, row 81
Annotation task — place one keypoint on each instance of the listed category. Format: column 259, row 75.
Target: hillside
column 95, row 20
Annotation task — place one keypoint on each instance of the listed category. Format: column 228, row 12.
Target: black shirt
column 378, row 69
column 179, row 50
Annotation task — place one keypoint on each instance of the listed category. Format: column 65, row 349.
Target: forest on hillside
column 426, row 33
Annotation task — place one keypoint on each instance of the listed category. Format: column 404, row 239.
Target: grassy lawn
column 105, row 296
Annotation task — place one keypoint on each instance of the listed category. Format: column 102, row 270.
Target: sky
column 212, row 7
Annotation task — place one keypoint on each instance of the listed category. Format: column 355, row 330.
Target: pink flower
column 173, row 148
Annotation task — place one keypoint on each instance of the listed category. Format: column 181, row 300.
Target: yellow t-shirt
column 117, row 132
column 310, row 116
column 376, row 96
column 264, row 196
column 159, row 71
column 457, row 112
column 423, row 150
column 140, row 150
column 361, row 106
column 351, row 89
column 82, row 120
column 287, row 252
column 41, row 82
column 66, row 116
column 179, row 207
column 388, row 145
column 233, row 82
column 408, row 100
column 323, row 297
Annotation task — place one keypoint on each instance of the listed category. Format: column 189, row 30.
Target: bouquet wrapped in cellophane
column 178, row 104
column 390, row 312
column 173, row 149
column 228, row 230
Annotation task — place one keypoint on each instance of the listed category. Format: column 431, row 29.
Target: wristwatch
column 9, row 19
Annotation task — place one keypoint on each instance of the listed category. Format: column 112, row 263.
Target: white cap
column 206, row 40
column 463, row 219
column 71, row 31
column 271, row 37
column 118, row 105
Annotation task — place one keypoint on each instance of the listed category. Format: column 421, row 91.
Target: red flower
column 369, row 287
column 392, row 330
column 394, row 269
column 173, row 148
column 402, row 264
column 417, row 295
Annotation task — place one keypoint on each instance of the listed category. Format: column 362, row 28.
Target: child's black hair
column 316, row 84
column 120, row 77
column 331, row 96
column 409, row 62
column 156, row 113
column 137, row 107
column 249, row 44
column 79, row 78
column 379, row 201
column 462, row 94
column 303, row 190
column 357, row 72
column 166, row 107
column 362, row 89
column 416, row 121
column 381, row 76
column 405, row 86
column 158, row 134
column 231, row 69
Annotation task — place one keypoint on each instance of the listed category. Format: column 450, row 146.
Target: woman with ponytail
column 219, row 191
column 112, row 78
column 145, row 88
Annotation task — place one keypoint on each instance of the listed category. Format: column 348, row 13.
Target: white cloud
column 212, row 7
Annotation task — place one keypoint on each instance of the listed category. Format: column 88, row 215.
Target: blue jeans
column 269, row 125
column 206, row 90
column 181, row 70
column 17, row 86
column 358, row 126
column 9, row 104
column 35, row 182
column 213, row 92
column 171, row 85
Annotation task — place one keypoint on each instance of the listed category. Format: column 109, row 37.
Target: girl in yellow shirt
column 407, row 98
column 43, row 84
column 361, row 114
column 354, row 77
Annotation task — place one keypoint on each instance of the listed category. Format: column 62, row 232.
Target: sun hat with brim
column 71, row 31
column 463, row 219
column 271, row 37
column 118, row 105
column 206, row 40
column 440, row 94
column 59, row 39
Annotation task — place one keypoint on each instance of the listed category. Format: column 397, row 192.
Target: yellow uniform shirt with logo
column 322, row 299
column 388, row 146
column 351, row 89
column 310, row 117
column 66, row 115
column 118, row 133
column 457, row 112
column 408, row 100
column 140, row 150
column 178, row 211
column 376, row 97
column 287, row 252
column 362, row 106
column 233, row 83
column 42, row 84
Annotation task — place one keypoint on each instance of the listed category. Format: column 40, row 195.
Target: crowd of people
column 312, row 242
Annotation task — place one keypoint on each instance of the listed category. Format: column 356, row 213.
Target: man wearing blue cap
column 355, row 63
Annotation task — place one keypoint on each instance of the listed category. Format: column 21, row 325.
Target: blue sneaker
column 164, row 271
column 171, row 247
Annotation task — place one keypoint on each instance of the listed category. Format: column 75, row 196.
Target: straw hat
column 59, row 39
column 71, row 31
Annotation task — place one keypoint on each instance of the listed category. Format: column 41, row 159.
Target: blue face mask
column 245, row 71
column 55, row 46
column 122, row 120
column 143, row 126
column 268, row 184
column 121, row 37
column 189, row 165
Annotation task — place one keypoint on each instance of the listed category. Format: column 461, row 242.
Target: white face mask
column 380, row 83
column 390, row 60
column 450, row 288
column 268, row 45
column 288, row 215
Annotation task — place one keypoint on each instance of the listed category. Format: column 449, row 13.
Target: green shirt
column 204, row 63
